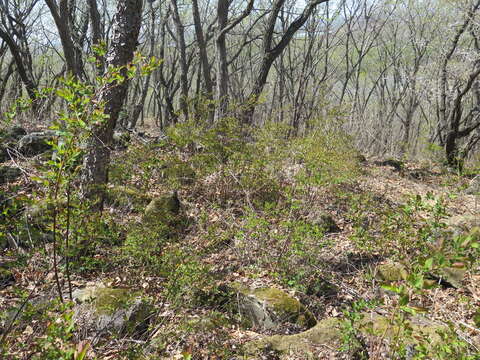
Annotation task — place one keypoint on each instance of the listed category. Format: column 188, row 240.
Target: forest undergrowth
column 352, row 239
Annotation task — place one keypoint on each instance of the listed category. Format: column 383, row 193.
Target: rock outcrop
column 108, row 310
column 36, row 143
column 270, row 308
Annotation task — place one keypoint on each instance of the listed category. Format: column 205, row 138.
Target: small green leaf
column 428, row 264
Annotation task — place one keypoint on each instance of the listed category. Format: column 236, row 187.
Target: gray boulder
column 36, row 143
column 163, row 209
column 106, row 310
column 9, row 174
column 270, row 308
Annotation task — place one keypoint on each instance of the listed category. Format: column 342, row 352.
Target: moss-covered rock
column 36, row 143
column 452, row 275
column 163, row 208
column 268, row 308
column 391, row 271
column 14, row 133
column 127, row 197
column 326, row 223
column 330, row 332
column 104, row 309
column 327, row 332
column 178, row 172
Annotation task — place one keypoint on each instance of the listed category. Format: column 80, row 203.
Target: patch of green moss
column 285, row 306
column 412, row 331
column 124, row 196
column 178, row 172
column 327, row 332
column 389, row 272
column 108, row 300
column 476, row 318
column 162, row 209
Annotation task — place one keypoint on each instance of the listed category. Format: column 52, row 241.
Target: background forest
column 400, row 76
column 239, row 179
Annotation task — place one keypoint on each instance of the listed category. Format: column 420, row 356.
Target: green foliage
column 51, row 330
column 351, row 338
column 416, row 234
column 144, row 245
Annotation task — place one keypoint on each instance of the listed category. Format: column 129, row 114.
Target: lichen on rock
column 269, row 308
column 112, row 310
column 391, row 271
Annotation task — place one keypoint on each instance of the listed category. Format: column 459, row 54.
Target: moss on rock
column 327, row 332
column 268, row 308
column 163, row 208
column 330, row 332
column 286, row 307
column 127, row 197
column 109, row 309
column 391, row 271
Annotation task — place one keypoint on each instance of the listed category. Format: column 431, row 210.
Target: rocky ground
column 382, row 263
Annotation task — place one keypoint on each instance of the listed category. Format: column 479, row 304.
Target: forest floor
column 419, row 218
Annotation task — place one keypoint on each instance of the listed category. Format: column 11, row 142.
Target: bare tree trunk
column 221, row 92
column 202, row 48
column 221, row 60
column 97, row 32
column 127, row 23
column 451, row 117
column 180, row 39
column 271, row 52
column 61, row 15
column 25, row 75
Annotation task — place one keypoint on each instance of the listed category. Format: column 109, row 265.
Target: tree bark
column 25, row 75
column 127, row 23
column 97, row 32
column 270, row 52
column 202, row 49
column 180, row 39
column 61, row 16
column 222, row 97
